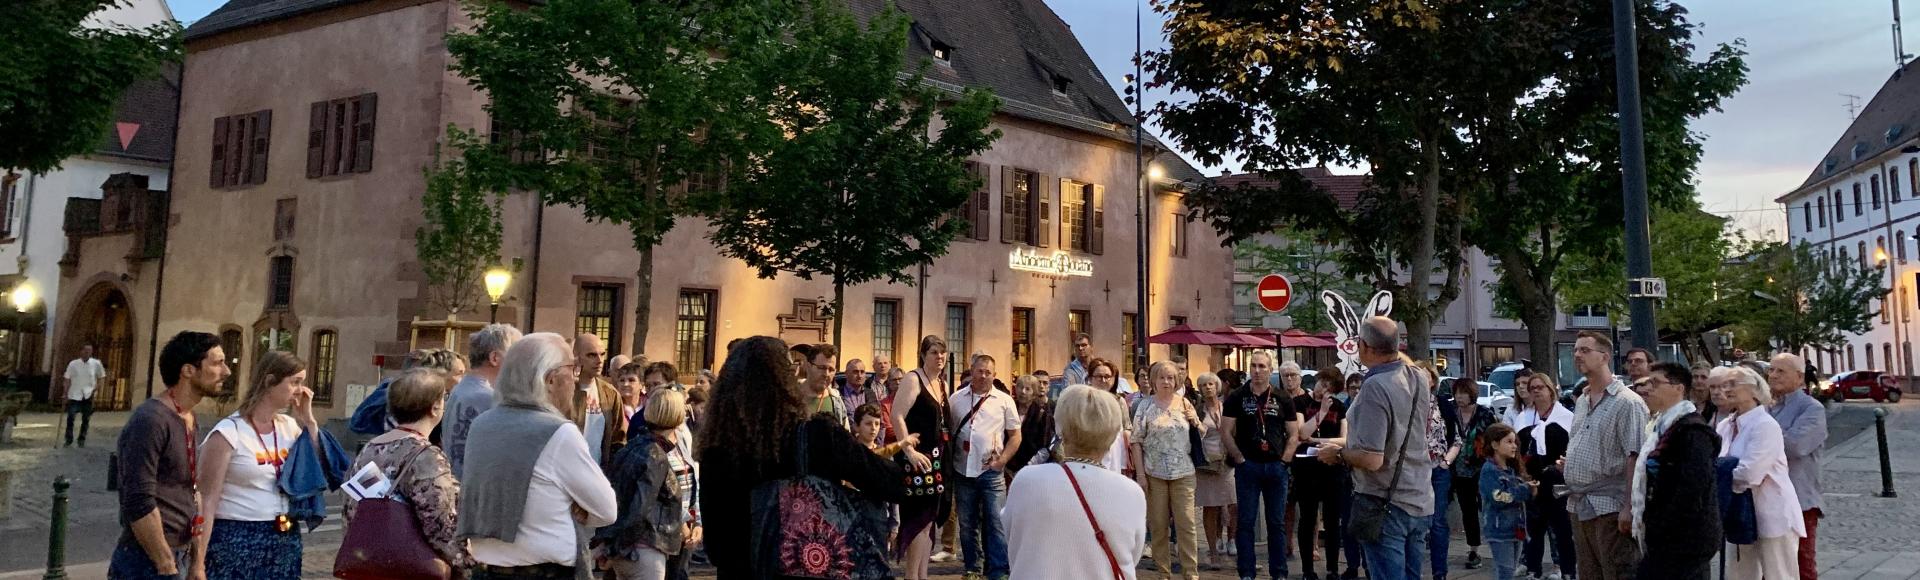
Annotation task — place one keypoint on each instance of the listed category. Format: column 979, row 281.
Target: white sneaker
column 942, row 557
column 1554, row 575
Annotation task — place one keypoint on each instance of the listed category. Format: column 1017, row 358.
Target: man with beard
column 158, row 462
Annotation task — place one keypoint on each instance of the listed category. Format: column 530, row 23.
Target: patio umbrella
column 1183, row 334
column 1296, row 338
column 1238, row 338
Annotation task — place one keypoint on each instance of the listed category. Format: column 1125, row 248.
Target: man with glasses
column 1387, row 467
column 816, row 363
column 1803, row 427
column 1676, row 481
column 1257, row 422
column 1609, row 426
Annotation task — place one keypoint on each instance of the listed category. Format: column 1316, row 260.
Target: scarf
column 1656, row 426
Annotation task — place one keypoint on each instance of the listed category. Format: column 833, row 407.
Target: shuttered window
column 280, row 282
column 340, row 135
column 240, row 144
column 978, row 211
column 326, row 350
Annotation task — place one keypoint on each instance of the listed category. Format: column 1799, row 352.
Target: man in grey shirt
column 1393, row 405
column 1609, row 424
column 474, row 395
column 1803, row 429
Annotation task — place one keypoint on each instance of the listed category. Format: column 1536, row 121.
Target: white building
column 1859, row 204
column 33, row 207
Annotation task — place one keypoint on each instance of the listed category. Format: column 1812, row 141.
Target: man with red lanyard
column 1258, row 421
column 158, row 464
column 987, row 424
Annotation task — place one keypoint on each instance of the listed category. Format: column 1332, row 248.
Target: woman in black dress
column 920, row 407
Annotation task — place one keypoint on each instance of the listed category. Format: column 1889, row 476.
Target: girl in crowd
column 1213, row 487
column 1752, row 436
column 1505, row 494
column 1074, row 518
column 419, row 471
column 920, row 406
column 1162, row 451
column 1545, row 426
column 1321, row 489
column 654, row 480
column 249, row 535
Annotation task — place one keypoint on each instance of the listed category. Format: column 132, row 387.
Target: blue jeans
column 1257, row 482
column 85, row 410
column 1397, row 555
column 1347, row 544
column 1506, row 558
column 1438, row 535
column 979, row 500
column 130, row 562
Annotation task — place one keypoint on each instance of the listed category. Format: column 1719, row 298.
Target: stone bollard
column 57, row 534
column 1886, row 465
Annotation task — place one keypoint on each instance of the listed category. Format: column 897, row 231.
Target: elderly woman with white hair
column 530, row 481
column 1077, row 519
column 1752, row 436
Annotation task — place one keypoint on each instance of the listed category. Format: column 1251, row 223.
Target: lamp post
column 497, row 279
column 22, row 297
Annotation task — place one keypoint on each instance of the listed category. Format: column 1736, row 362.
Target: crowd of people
column 538, row 457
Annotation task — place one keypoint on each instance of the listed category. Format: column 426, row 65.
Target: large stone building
column 1859, row 204
column 305, row 126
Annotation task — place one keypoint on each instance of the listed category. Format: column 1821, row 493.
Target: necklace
column 1081, row 461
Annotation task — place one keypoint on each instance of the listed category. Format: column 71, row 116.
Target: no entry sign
column 1275, row 292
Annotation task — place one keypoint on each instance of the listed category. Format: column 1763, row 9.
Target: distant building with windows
column 305, row 126
column 1858, row 204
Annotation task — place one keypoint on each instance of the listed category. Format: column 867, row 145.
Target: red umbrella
column 1183, row 334
column 1296, row 338
column 1237, row 337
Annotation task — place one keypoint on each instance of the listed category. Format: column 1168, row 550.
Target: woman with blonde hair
column 1162, row 452
column 653, row 476
column 1213, row 486
column 249, row 533
column 1077, row 519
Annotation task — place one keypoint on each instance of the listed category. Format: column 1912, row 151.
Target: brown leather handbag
column 384, row 541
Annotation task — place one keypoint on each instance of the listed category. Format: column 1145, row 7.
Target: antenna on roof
column 1853, row 106
column 1900, row 55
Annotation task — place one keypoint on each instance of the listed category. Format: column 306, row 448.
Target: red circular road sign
column 1275, row 292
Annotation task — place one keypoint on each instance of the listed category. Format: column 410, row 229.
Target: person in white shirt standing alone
column 83, row 377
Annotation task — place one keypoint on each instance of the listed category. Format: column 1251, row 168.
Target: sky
column 1802, row 58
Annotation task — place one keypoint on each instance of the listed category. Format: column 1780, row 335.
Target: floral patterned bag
column 808, row 527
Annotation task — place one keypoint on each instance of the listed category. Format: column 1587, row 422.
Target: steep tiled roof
column 1016, row 48
column 143, row 121
column 1345, row 189
column 1890, row 120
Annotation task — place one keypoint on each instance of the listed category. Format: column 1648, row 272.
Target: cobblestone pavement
column 1862, row 537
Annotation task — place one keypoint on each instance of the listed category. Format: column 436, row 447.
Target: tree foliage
column 1695, row 257
column 862, row 188
column 461, row 235
column 1802, row 299
column 613, row 106
column 1311, row 265
column 60, row 77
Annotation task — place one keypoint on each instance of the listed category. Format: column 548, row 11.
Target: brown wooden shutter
column 1097, row 221
column 262, row 138
column 982, row 201
column 1043, row 211
column 217, row 173
column 317, row 140
column 1065, row 227
column 1007, row 186
column 237, row 132
column 365, row 107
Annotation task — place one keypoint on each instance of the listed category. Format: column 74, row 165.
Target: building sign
column 1060, row 263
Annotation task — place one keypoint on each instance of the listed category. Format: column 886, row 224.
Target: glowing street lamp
column 497, row 279
column 23, row 297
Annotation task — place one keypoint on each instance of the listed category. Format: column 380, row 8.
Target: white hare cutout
column 1347, row 325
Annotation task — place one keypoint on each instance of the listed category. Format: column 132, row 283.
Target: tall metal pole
column 1140, row 187
column 1633, row 169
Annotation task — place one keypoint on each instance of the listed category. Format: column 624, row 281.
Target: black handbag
column 1368, row 518
column 1196, row 444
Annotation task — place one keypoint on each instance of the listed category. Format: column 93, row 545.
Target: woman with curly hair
column 754, row 417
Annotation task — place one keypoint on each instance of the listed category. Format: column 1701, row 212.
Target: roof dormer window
column 1829, row 165
column 1859, row 150
column 942, row 52
column 1894, row 132
column 1060, row 84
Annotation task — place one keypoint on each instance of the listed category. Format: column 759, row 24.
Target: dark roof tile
column 1894, row 111
column 1344, row 189
column 145, row 117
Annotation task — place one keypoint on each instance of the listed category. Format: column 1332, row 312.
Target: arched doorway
column 103, row 319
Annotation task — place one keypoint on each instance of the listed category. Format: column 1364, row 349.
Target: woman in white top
column 1104, row 376
column 1053, row 512
column 249, row 535
column 1754, row 437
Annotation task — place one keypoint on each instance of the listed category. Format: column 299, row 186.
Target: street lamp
column 22, row 298
column 497, row 279
column 1156, row 172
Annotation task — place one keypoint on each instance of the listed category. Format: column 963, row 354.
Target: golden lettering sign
column 1059, row 263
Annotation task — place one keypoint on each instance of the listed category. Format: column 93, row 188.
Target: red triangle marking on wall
column 126, row 133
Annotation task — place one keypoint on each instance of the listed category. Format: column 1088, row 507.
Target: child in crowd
column 870, row 420
column 1504, row 494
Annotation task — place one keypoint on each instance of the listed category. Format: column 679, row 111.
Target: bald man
column 1803, row 427
column 596, row 403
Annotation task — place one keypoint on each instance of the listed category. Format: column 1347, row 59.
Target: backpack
column 806, row 526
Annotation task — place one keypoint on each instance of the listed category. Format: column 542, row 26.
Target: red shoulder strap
column 1098, row 535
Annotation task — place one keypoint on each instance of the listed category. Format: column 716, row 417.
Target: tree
column 1803, row 299
column 1400, row 86
column 860, row 189
column 630, row 111
column 1312, row 266
column 1556, row 153
column 60, row 77
column 461, row 237
column 1695, row 252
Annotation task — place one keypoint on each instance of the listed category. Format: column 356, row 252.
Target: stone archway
column 103, row 318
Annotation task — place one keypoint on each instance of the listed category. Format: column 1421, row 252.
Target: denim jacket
column 651, row 514
column 1503, row 500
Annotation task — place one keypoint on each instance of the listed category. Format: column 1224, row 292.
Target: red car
column 1876, row 385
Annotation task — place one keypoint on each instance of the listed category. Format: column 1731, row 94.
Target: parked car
column 1307, row 378
column 1491, row 395
column 1877, row 385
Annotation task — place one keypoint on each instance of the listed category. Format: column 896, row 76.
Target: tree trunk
column 1530, row 288
column 643, row 305
column 839, row 303
column 1420, row 264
